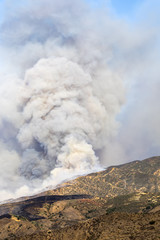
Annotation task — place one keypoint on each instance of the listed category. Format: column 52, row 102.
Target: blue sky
column 122, row 8
column 126, row 7
column 1, row 9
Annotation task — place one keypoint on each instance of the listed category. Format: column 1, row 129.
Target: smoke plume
column 63, row 76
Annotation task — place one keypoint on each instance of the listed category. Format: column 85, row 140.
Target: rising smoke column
column 63, row 120
column 60, row 100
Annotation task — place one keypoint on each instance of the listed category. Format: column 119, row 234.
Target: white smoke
column 64, row 66
column 62, row 117
column 60, row 99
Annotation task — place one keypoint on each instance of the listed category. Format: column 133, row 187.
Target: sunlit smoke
column 66, row 71
column 60, row 99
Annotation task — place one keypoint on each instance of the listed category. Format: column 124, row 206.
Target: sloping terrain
column 117, row 180
column 117, row 226
column 122, row 202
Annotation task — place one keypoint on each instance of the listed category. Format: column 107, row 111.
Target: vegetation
column 91, row 207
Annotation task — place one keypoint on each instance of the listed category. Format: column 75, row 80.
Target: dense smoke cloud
column 64, row 70
column 61, row 97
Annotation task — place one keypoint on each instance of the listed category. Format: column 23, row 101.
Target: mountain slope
column 121, row 202
column 115, row 226
column 118, row 180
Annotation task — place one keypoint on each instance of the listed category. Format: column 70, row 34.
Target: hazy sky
column 1, row 8
column 123, row 8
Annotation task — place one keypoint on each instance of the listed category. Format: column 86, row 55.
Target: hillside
column 121, row 202
column 143, row 176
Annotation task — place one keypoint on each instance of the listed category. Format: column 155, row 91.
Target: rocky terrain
column 121, row 202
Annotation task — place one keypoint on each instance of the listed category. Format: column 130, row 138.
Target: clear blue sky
column 126, row 7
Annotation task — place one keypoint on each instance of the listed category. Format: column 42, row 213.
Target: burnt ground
column 21, row 208
column 120, row 203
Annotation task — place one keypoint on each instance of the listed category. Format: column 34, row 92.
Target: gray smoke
column 60, row 100
column 139, row 134
column 64, row 70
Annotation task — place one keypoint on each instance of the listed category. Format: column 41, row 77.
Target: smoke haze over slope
column 66, row 71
